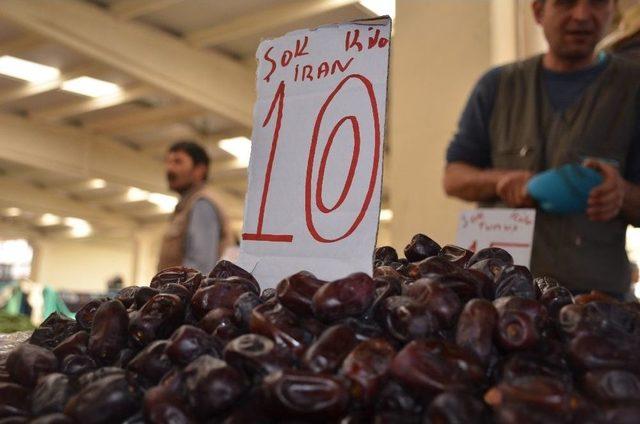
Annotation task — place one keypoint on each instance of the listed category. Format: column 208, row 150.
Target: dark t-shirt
column 471, row 143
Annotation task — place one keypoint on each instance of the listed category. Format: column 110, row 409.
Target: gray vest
column 527, row 134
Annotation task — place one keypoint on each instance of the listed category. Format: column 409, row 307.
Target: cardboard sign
column 509, row 229
column 315, row 174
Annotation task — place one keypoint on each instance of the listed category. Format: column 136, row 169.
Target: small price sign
column 509, row 229
column 315, row 173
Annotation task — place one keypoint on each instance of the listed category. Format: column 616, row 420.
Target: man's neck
column 193, row 187
column 558, row 64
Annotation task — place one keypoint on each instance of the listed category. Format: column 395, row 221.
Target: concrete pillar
column 439, row 50
column 146, row 247
column 504, row 29
column 530, row 36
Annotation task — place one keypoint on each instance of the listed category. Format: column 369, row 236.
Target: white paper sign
column 315, row 174
column 509, row 229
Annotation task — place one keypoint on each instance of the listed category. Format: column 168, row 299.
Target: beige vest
column 527, row 134
column 173, row 242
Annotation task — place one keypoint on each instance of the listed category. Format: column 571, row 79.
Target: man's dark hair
column 195, row 151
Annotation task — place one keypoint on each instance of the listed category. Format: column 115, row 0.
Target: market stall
column 443, row 334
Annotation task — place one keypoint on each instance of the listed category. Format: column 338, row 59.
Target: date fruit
column 366, row 366
column 157, row 319
column 476, row 326
column 212, row 386
column 85, row 315
column 51, row 394
column 255, row 355
column 108, row 332
column 151, row 364
column 75, row 344
column 456, row 254
column 457, row 407
column 346, row 297
column 491, row 253
column 433, row 366
column 221, row 294
column 28, row 362
column 421, row 247
column 297, row 291
column 108, row 400
column 226, row 269
column 611, row 385
column 304, row 395
column 326, row 354
column 188, row 343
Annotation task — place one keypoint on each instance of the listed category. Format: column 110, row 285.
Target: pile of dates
column 443, row 335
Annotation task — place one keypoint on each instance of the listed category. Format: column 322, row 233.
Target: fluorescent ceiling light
column 80, row 232
column 240, row 147
column 164, row 202
column 79, row 227
column 27, row 70
column 386, row 215
column 135, row 194
column 11, row 212
column 97, row 183
column 91, row 87
column 49, row 219
column 380, row 7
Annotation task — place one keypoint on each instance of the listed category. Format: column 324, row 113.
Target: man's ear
column 201, row 172
column 537, row 6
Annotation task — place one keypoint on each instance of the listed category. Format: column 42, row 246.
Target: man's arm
column 471, row 183
column 203, row 236
column 474, row 184
column 613, row 196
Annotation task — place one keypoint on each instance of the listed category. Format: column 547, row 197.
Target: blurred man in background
column 561, row 107
column 198, row 232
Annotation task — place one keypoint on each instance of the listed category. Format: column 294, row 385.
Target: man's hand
column 606, row 199
column 512, row 189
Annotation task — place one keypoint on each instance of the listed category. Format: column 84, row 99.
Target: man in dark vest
column 198, row 232
column 564, row 106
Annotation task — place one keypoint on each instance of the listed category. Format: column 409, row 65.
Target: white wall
column 83, row 265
